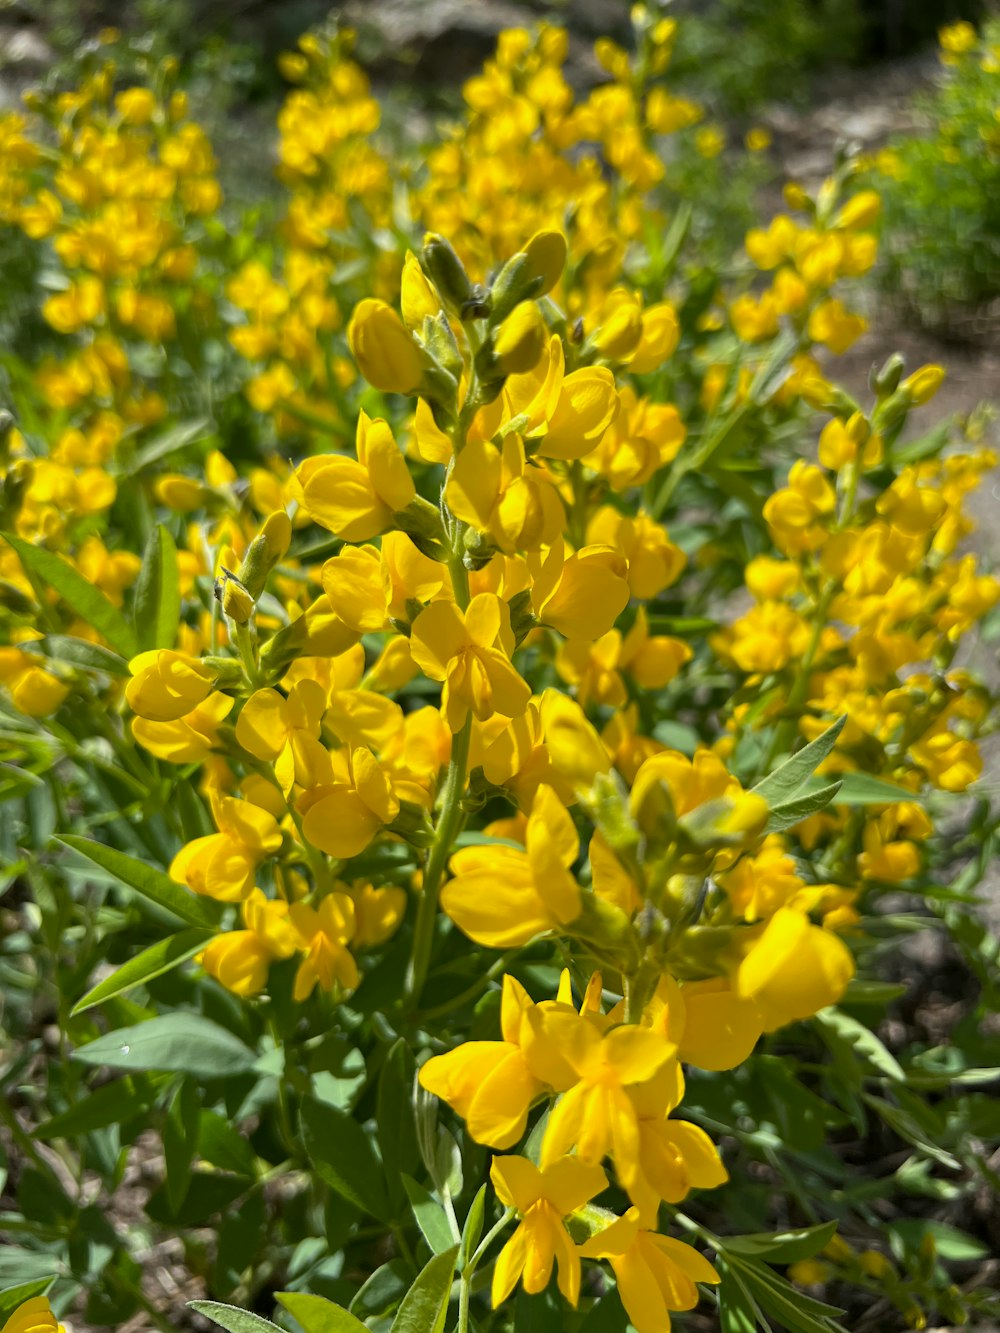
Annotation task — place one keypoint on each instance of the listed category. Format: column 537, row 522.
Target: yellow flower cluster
column 476, row 602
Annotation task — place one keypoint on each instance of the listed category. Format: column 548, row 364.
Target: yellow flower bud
column 386, row 355
column 620, row 334
column 923, row 384
column 546, row 253
column 521, row 339
column 417, row 297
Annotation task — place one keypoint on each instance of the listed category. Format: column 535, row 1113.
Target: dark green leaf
column 343, row 1156
column 397, row 1134
column 87, row 601
column 952, row 1245
column 157, row 606
column 318, row 1315
column 233, row 1319
column 152, row 962
column 781, row 785
column 220, row 1143
column 797, row 1312
column 144, row 879
column 181, row 1042
column 110, row 1104
column 424, row 1308
column 383, row 1290
column 783, row 1247
column 431, row 1217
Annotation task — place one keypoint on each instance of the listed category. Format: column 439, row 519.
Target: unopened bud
column 521, row 339
column 386, row 354
column 858, row 428
column 444, row 268
column 264, row 552
column 885, row 382
column 546, row 252
column 236, row 601
column 923, row 384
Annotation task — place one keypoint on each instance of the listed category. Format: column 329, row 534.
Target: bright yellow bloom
column 240, row 959
column 189, row 739
column 352, row 801
column 223, row 865
column 792, row 969
column 166, row 685
column 386, row 354
column 797, row 515
column 489, row 1083
column 655, row 1274
column 356, row 498
column 543, row 1198
column 502, row 897
column 501, row 493
column 324, row 933
column 470, row 653
column 284, row 731
column 596, row 1114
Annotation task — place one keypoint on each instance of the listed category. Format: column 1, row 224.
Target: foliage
column 473, row 687
column 941, row 192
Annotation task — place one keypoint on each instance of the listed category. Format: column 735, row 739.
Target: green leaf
column 157, row 606
column 180, row 1139
column 783, row 1247
column 397, row 1133
column 233, row 1319
column 168, row 442
column 431, row 1217
column 144, row 879
column 344, row 1157
column 160, row 957
column 789, row 813
column 181, row 1042
column 863, row 1041
column 424, row 1308
column 952, row 1245
column 110, row 1104
column 318, row 1315
column 781, row 785
column 25, row 1291
column 798, row 1312
column 80, row 653
column 865, row 789
column 87, row 601
column 473, row 1228
column 737, row 1312
column 872, row 992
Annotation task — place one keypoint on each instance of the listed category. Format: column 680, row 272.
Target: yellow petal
column 262, row 727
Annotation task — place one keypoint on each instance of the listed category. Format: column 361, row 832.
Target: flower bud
column 621, row 333
column 886, row 381
column 236, row 600
column 521, row 339
column 860, row 212
column 418, row 299
column 264, row 552
column 445, row 270
column 923, row 384
column 546, row 253
column 386, row 355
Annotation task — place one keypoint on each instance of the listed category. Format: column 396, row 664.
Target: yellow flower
column 284, row 731
column 166, row 685
column 470, row 653
column 596, row 1114
column 797, row 515
column 502, row 897
column 223, row 865
column 351, row 802
column 188, row 739
column 521, row 339
column 835, row 327
column 34, row 1316
column 33, row 690
column 324, row 933
column 580, row 595
column 500, row 493
column 386, row 354
column 654, row 562
column 489, row 1083
column 356, row 498
column 543, row 1198
column 240, row 959
column 655, row 1274
column 792, row 969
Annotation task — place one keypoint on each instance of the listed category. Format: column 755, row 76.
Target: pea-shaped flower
column 386, row 354
column 356, row 498
column 470, row 653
